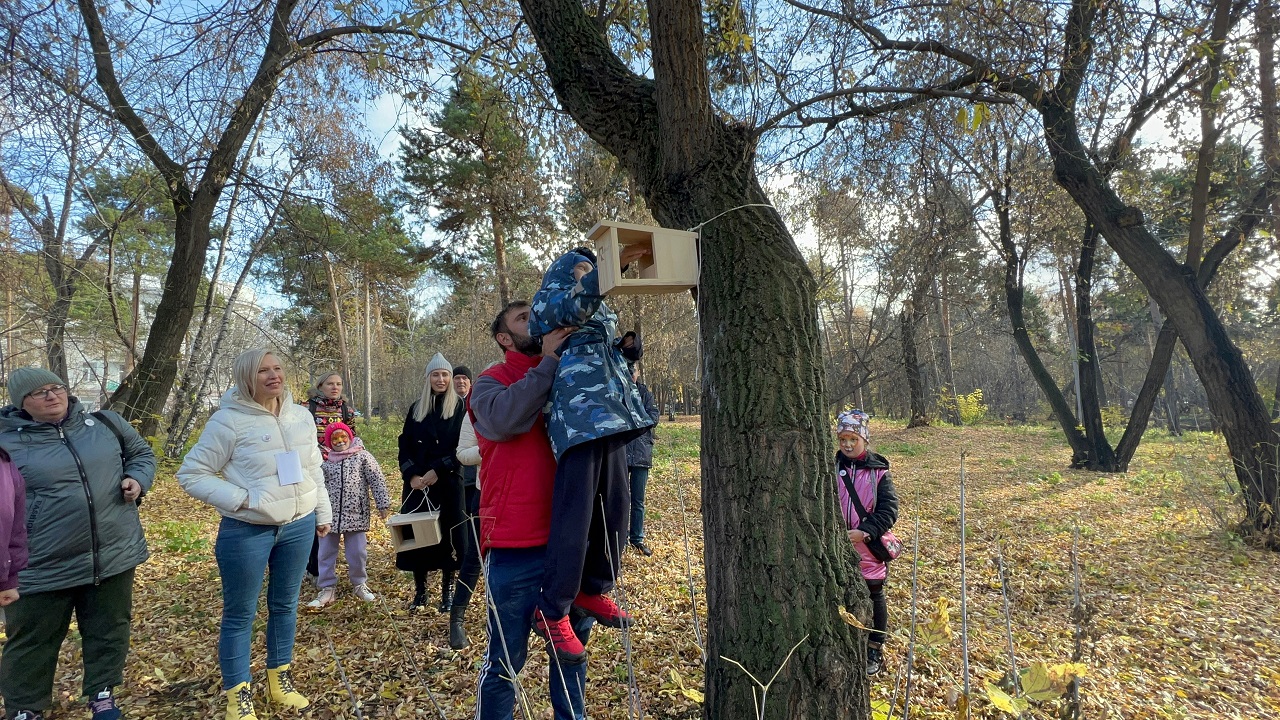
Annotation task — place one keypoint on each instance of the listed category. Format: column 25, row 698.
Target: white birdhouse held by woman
column 658, row 260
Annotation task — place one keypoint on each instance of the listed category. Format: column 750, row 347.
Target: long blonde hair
column 245, row 371
column 426, row 402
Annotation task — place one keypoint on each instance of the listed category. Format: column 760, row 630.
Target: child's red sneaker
column 559, row 634
column 603, row 609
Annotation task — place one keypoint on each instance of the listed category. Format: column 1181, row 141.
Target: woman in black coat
column 430, row 468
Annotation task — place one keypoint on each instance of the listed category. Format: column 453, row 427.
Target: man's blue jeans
column 245, row 552
column 639, row 480
column 513, row 577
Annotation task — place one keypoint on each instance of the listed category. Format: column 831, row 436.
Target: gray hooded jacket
column 80, row 530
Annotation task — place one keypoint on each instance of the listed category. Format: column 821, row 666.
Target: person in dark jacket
column 429, row 466
column 639, row 461
column 84, row 475
column 868, row 515
column 469, row 572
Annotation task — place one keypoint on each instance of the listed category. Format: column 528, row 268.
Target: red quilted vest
column 516, row 476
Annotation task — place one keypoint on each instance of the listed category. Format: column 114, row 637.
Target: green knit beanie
column 26, row 379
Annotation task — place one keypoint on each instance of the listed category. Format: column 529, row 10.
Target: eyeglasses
column 46, row 393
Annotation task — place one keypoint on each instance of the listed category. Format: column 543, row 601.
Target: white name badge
column 289, row 467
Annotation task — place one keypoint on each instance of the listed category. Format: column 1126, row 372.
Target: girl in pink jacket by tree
column 870, row 508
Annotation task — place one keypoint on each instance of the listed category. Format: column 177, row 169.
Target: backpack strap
column 102, row 418
column 853, row 493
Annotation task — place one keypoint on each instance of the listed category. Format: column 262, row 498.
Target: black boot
column 419, row 592
column 457, row 634
column 446, row 590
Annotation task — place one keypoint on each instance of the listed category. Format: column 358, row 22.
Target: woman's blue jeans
column 245, row 552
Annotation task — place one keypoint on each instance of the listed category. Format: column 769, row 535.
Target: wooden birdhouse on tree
column 668, row 263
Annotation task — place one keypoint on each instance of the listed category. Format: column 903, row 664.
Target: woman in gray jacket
column 84, row 473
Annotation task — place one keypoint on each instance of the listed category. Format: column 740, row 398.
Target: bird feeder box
column 410, row 531
column 670, row 265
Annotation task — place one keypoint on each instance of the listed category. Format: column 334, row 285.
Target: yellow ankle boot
column 240, row 703
column 280, row 688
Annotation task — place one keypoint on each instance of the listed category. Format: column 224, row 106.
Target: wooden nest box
column 670, row 265
column 410, row 531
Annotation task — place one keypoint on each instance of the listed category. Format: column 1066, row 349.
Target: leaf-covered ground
column 1181, row 620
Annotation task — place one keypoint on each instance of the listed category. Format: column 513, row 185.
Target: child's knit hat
column 439, row 363
column 856, row 422
column 335, row 427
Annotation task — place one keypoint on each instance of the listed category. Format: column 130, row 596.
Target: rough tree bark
column 1101, row 455
column 1014, row 293
column 778, row 562
column 1232, row 393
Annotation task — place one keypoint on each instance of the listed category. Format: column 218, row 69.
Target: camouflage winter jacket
column 593, row 396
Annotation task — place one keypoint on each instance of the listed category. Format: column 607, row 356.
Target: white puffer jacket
column 235, row 459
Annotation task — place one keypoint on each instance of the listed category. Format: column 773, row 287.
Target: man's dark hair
column 500, row 322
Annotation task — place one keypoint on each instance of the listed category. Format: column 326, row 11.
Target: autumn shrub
column 1114, row 417
column 971, row 408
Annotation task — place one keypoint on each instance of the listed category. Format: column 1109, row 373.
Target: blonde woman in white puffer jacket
column 258, row 464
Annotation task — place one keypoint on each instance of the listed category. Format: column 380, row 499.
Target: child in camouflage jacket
column 595, row 410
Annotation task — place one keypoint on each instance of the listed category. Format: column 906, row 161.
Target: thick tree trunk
column 143, row 392
column 1013, row 295
column 1101, row 456
column 778, row 561
column 1230, row 387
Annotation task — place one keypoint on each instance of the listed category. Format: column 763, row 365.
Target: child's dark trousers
column 590, row 514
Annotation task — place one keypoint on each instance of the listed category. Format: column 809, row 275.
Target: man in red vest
column 517, row 474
